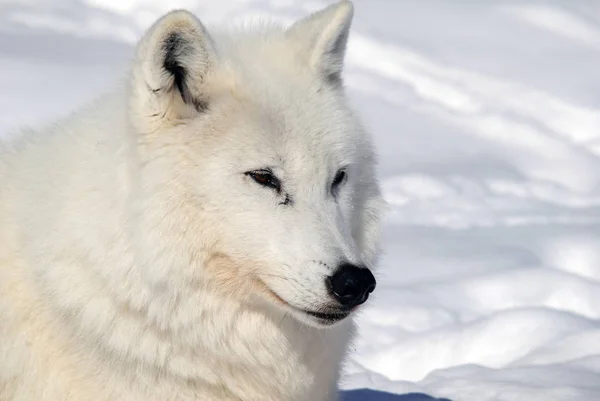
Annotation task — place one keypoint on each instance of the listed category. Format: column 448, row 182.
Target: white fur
column 139, row 262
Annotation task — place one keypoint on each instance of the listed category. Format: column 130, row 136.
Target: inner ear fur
column 173, row 61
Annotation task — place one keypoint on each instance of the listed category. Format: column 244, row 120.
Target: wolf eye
column 265, row 178
column 340, row 177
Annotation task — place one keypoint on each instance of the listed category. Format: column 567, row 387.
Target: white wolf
column 202, row 234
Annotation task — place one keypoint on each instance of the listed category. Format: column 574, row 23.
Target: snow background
column 486, row 115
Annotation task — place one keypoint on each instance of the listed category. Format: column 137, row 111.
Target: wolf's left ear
column 324, row 35
column 173, row 61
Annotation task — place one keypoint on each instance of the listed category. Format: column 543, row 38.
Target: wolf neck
column 226, row 351
column 238, row 353
column 201, row 343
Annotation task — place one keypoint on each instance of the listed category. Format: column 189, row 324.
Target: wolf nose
column 351, row 285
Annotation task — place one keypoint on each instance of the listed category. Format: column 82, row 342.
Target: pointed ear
column 173, row 61
column 324, row 36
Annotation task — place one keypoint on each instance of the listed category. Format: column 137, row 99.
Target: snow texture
column 487, row 119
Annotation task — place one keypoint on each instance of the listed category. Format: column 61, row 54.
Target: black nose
column 351, row 284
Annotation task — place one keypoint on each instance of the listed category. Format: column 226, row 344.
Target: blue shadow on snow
column 372, row 395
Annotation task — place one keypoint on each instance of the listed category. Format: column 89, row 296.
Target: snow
column 486, row 116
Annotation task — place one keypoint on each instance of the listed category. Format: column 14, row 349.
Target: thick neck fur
column 105, row 278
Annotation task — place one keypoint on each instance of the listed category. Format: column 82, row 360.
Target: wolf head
column 257, row 179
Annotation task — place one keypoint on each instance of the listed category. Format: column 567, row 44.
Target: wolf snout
column 351, row 285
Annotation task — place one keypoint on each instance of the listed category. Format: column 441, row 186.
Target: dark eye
column 339, row 179
column 265, row 178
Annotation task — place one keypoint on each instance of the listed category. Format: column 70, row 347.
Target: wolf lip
column 330, row 316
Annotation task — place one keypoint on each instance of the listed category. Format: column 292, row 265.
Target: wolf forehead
column 259, row 53
column 292, row 75
column 263, row 66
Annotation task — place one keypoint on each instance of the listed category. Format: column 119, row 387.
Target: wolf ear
column 173, row 60
column 324, row 35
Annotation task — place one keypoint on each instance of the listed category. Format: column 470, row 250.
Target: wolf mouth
column 329, row 316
